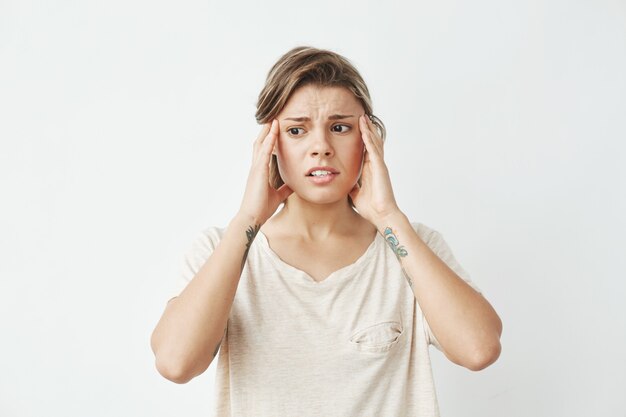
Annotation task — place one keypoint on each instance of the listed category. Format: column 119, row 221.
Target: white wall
column 126, row 128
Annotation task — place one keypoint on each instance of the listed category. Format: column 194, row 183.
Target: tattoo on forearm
column 392, row 240
column 250, row 234
column 400, row 252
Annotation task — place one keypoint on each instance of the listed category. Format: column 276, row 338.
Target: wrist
column 393, row 219
column 246, row 220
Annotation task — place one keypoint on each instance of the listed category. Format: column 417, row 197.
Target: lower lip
column 322, row 180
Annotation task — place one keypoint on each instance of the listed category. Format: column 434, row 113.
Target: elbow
column 172, row 372
column 177, row 363
column 484, row 356
column 487, row 351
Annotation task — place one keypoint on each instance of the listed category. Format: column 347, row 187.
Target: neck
column 316, row 222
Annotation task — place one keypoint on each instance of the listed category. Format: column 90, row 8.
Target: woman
column 327, row 307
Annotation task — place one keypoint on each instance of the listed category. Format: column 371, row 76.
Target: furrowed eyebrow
column 331, row 117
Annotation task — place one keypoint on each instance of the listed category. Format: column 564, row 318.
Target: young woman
column 326, row 308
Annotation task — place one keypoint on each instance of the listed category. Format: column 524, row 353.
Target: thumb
column 283, row 192
column 355, row 191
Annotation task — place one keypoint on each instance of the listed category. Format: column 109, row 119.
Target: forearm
column 466, row 326
column 190, row 331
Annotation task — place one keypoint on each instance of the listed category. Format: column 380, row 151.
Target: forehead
column 312, row 98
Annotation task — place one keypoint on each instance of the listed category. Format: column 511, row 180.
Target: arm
column 465, row 324
column 190, row 331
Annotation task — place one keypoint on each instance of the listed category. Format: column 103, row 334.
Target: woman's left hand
column 374, row 199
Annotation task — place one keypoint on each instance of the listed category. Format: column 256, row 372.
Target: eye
column 291, row 130
column 341, row 131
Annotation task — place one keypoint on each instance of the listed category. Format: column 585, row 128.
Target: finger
column 264, row 131
column 375, row 135
column 265, row 148
column 370, row 145
column 270, row 138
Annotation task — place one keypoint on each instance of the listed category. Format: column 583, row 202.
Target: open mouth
column 321, row 177
column 320, row 173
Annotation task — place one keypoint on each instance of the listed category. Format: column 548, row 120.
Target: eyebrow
column 308, row 119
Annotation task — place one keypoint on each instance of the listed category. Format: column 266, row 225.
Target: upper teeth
column 319, row 173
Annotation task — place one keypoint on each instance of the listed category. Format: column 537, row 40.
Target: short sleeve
column 200, row 250
column 438, row 245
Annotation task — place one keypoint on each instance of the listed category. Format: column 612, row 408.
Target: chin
column 324, row 197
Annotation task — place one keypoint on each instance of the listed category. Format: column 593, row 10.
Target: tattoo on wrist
column 250, row 234
column 392, row 240
column 400, row 252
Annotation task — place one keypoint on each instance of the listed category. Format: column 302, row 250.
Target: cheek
column 357, row 154
column 285, row 157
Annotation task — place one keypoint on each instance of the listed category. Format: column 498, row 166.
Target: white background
column 126, row 128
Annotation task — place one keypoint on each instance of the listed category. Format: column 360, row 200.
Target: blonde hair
column 305, row 65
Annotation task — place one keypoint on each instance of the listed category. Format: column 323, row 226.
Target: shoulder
column 203, row 244
column 434, row 240
column 428, row 234
column 213, row 232
column 206, row 240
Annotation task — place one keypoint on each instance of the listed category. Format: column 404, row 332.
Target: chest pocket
column 380, row 337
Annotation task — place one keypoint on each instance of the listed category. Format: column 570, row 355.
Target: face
column 319, row 129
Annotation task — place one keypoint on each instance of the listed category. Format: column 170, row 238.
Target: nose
column 321, row 144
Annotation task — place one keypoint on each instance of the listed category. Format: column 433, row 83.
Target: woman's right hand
column 260, row 199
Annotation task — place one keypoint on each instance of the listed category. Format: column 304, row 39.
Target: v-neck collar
column 346, row 271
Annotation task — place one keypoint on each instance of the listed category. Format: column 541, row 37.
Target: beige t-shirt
column 354, row 344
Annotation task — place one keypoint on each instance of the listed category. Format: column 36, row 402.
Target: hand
column 374, row 199
column 260, row 199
